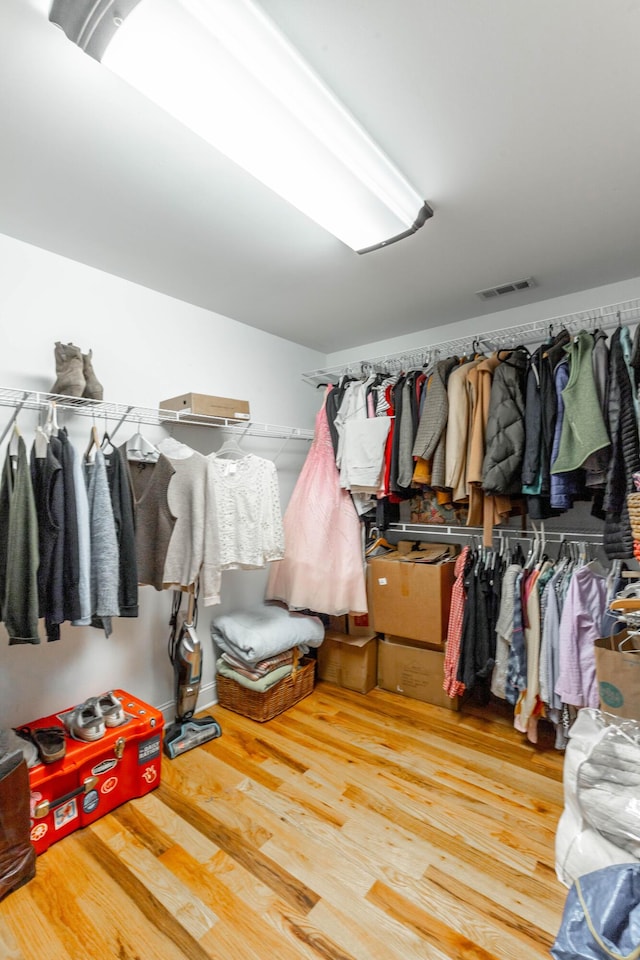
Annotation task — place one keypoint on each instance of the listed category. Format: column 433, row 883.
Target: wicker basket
column 633, row 503
column 265, row 706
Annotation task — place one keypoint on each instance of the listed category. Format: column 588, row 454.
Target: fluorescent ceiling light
column 224, row 70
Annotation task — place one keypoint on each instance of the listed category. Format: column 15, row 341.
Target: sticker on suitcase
column 103, row 767
column 65, row 814
column 148, row 749
column 90, row 801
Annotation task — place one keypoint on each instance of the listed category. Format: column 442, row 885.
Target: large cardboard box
column 349, row 662
column 201, row 404
column 409, row 597
column 353, row 624
column 414, row 671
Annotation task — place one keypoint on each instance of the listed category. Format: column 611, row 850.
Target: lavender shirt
column 579, row 628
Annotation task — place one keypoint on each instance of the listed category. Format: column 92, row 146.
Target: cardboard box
column 349, row 662
column 413, row 671
column 353, row 624
column 410, row 598
column 201, row 404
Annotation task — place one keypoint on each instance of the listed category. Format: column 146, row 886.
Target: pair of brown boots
column 75, row 374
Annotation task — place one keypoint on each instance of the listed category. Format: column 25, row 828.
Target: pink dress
column 323, row 566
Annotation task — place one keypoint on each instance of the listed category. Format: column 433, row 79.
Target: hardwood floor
column 349, row 828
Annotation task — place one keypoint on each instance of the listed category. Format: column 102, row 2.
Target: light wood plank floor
column 349, row 828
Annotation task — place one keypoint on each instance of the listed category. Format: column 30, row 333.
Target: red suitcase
column 94, row 778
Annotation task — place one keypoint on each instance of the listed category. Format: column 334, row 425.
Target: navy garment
column 601, row 917
column 625, row 454
column 46, row 477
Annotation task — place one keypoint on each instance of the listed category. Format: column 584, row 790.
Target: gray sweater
column 105, row 570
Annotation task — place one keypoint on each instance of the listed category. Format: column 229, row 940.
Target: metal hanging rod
column 628, row 311
column 443, row 530
column 121, row 412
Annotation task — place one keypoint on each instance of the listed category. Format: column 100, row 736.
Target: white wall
column 146, row 347
column 527, row 313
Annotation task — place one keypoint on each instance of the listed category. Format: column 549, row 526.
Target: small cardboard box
column 353, row 624
column 201, row 404
column 349, row 662
column 410, row 597
column 413, row 671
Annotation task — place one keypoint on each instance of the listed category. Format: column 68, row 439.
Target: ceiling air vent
column 503, row 288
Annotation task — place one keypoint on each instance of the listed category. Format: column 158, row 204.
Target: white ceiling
column 518, row 121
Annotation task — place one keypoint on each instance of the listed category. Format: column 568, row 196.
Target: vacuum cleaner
column 185, row 653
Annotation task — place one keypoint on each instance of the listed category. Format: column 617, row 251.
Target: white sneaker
column 111, row 709
column 85, row 722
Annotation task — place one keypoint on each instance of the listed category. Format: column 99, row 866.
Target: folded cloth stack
column 257, row 646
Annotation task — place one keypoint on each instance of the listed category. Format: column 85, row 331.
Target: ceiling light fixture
column 223, row 69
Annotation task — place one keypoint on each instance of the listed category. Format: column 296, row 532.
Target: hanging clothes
column 431, row 433
column 625, row 453
column 528, row 708
column 363, row 454
column 105, row 572
column 122, row 505
column 401, row 447
column 458, row 423
column 549, row 361
column 122, row 502
column 249, row 516
column 502, row 467
column 46, row 477
column 84, row 541
column 177, row 541
column 596, row 465
column 478, row 643
column 19, row 555
column 579, row 628
column 504, row 630
column 565, row 486
column 485, row 510
column 71, row 575
column 322, row 569
column 451, row 685
column 583, row 428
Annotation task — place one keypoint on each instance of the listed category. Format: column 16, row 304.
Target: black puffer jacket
column 504, row 445
column 625, row 454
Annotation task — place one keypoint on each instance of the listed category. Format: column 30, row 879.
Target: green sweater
column 583, row 428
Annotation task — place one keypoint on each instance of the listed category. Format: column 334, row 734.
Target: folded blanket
column 261, row 685
column 261, row 668
column 254, row 635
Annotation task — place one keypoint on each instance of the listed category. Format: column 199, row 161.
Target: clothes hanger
column 139, row 450
column 14, row 440
column 51, row 422
column 231, row 450
column 94, row 441
column 40, row 443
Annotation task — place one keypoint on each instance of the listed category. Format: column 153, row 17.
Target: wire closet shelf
column 434, row 531
column 536, row 331
column 121, row 412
